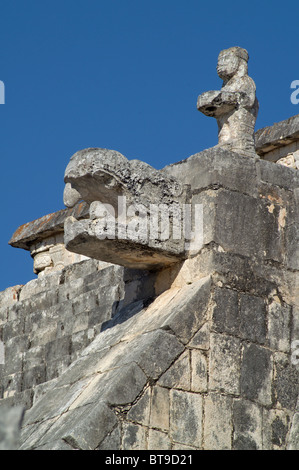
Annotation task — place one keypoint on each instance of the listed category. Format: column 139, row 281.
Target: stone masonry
column 194, row 350
column 235, row 106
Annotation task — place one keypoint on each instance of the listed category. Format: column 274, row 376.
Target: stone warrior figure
column 235, row 106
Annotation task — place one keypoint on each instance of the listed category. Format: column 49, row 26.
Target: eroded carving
column 235, row 106
column 123, row 196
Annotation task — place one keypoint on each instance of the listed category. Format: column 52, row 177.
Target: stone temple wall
column 47, row 323
column 197, row 354
column 280, row 142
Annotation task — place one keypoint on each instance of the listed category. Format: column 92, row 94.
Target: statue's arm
column 213, row 103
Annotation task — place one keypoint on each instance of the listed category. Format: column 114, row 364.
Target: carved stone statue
column 235, row 106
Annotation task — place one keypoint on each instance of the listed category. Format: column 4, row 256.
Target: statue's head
column 231, row 61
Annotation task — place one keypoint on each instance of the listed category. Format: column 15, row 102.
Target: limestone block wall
column 198, row 355
column 188, row 372
column 45, row 324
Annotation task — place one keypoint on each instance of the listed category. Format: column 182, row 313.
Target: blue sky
column 124, row 75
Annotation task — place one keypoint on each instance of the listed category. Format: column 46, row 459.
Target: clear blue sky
column 124, row 75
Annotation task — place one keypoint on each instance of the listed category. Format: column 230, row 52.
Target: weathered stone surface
column 159, row 418
column 199, row 372
column 134, row 437
column 226, row 312
column 10, row 427
column 118, row 190
column 140, row 412
column 248, row 426
column 276, row 428
column 277, row 135
column 194, row 302
column 253, row 319
column 278, row 175
column 218, row 432
column 179, row 374
column 199, row 354
column 154, row 352
column 186, row 418
column 256, row 374
column 158, row 440
column 9, row 296
column 87, row 434
column 285, row 385
column 216, row 167
column 44, row 227
column 112, row 441
column 201, row 339
column 279, row 327
column 294, row 435
column 225, row 364
column 44, row 239
column 235, row 106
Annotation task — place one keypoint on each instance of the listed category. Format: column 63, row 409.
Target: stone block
column 293, row 441
column 118, row 387
column 134, row 437
column 248, row 426
column 43, row 300
column 55, row 402
column 77, row 271
column 57, row 367
column 34, row 357
column 88, row 432
column 201, row 339
column 186, row 418
column 10, row 426
column 199, row 372
column 12, row 384
column 112, row 441
column 12, row 329
column 34, row 376
column 79, row 341
column 192, row 305
column 278, row 175
column 216, row 167
column 276, row 427
column 258, row 233
column 58, row 348
column 158, row 440
column 252, row 318
column 154, row 352
column 10, row 295
column 286, row 382
column 224, row 374
column 70, row 291
column 159, row 417
column 256, row 374
column 179, row 374
column 14, row 349
column 226, row 312
column 279, row 327
column 84, row 303
column 218, row 425
column 292, row 241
